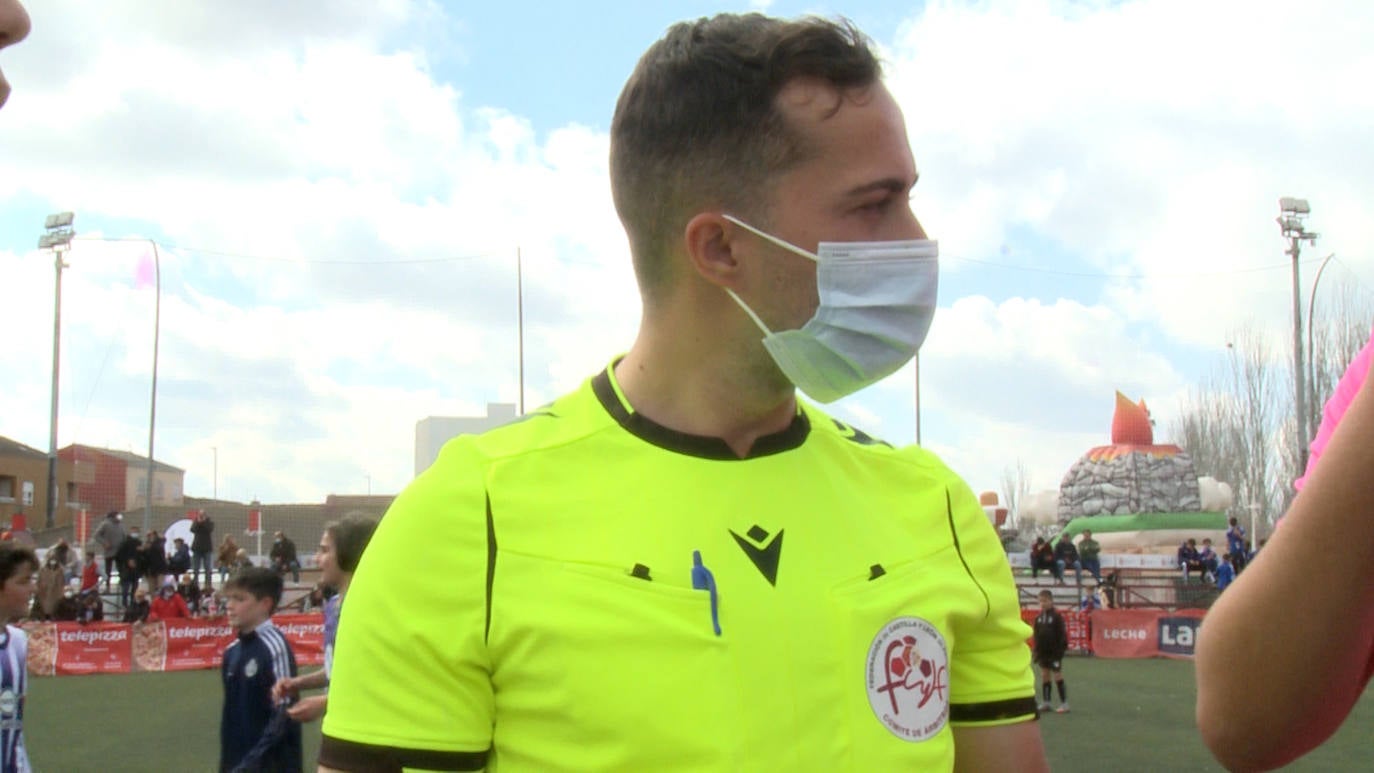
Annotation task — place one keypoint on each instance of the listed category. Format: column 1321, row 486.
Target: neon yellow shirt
column 528, row 603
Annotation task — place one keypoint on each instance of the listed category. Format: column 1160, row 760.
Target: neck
column 344, row 583
column 706, row 378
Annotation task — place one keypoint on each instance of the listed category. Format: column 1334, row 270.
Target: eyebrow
column 889, row 184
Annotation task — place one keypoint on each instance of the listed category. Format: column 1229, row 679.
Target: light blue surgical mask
column 877, row 300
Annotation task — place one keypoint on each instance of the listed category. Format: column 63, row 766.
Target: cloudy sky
column 339, row 195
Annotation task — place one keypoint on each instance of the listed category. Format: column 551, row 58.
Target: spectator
column 255, row 734
column 154, row 560
column 68, row 608
column 67, row 559
column 283, row 556
column 92, row 607
column 1108, row 588
column 1208, row 558
column 50, row 587
column 1091, row 600
column 241, row 562
column 1188, row 558
column 1042, row 558
column 90, row 575
column 202, row 545
column 1066, row 557
column 17, row 565
column 138, row 608
column 130, row 559
column 341, row 546
column 1235, row 544
column 168, row 604
column 109, row 536
column 224, row 559
column 1226, row 572
column 1088, row 552
column 180, row 562
column 189, row 590
column 1049, row 644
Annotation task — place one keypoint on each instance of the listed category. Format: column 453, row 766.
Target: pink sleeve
column 1335, row 407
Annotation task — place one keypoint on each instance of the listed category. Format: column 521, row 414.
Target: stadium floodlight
column 60, row 220
column 1288, row 204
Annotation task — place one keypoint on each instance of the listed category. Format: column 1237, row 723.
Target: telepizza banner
column 68, row 648
column 183, row 645
column 168, row 645
column 306, row 634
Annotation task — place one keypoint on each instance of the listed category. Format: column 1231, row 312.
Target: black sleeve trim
column 366, row 758
column 992, row 712
column 491, row 567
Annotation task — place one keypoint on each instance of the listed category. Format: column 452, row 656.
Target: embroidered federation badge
column 251, row 670
column 908, row 679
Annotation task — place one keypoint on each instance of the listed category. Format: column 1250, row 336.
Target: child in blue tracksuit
column 255, row 734
column 1226, row 573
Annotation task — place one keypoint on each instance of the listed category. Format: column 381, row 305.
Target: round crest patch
column 908, row 678
column 9, row 702
column 251, row 669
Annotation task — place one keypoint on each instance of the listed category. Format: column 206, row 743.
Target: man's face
column 17, row 593
column 853, row 186
column 328, row 561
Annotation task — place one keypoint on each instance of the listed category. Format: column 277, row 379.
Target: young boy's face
column 17, row 594
column 245, row 611
column 1046, row 602
column 328, row 561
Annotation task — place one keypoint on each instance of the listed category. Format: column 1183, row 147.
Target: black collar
column 702, row 446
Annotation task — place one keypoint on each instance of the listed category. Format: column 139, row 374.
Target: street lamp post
column 57, row 236
column 1311, row 350
column 1291, row 214
column 152, row 406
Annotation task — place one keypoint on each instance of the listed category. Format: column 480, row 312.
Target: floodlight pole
column 152, row 406
column 57, row 236
column 1291, row 214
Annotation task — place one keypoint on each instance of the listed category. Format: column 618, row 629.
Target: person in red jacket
column 90, row 575
column 168, row 605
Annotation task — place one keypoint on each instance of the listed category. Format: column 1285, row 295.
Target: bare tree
column 1015, row 489
column 1241, row 425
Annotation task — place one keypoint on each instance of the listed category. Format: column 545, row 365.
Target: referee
column 680, row 565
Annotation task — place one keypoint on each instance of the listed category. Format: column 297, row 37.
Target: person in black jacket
column 1051, row 641
column 129, row 557
column 202, row 547
column 256, row 734
column 283, row 555
column 154, row 560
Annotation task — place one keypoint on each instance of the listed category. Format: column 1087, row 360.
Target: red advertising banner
column 254, row 522
column 306, row 635
column 1125, row 633
column 97, row 648
column 189, row 644
column 167, row 645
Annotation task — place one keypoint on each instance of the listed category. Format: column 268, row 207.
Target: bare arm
column 1013, row 748
column 1266, row 697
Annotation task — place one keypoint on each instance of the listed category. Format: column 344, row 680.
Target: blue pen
column 702, row 579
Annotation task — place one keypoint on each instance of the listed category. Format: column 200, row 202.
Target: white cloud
column 1143, row 138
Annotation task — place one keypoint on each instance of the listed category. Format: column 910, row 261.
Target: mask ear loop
column 775, row 240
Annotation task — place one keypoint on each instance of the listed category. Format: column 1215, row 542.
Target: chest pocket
column 897, row 626
column 627, row 670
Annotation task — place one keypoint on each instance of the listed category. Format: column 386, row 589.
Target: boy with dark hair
column 1051, row 639
column 17, row 567
column 254, row 733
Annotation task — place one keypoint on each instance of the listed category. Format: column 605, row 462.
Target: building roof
column 15, row 448
column 131, row 458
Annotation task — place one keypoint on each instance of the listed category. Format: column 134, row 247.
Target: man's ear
column 711, row 241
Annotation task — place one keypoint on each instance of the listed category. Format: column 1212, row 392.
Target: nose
column 14, row 22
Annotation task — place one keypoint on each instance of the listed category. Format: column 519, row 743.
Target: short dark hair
column 13, row 557
column 697, row 124
column 1044, row 594
column 351, row 535
column 258, row 582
